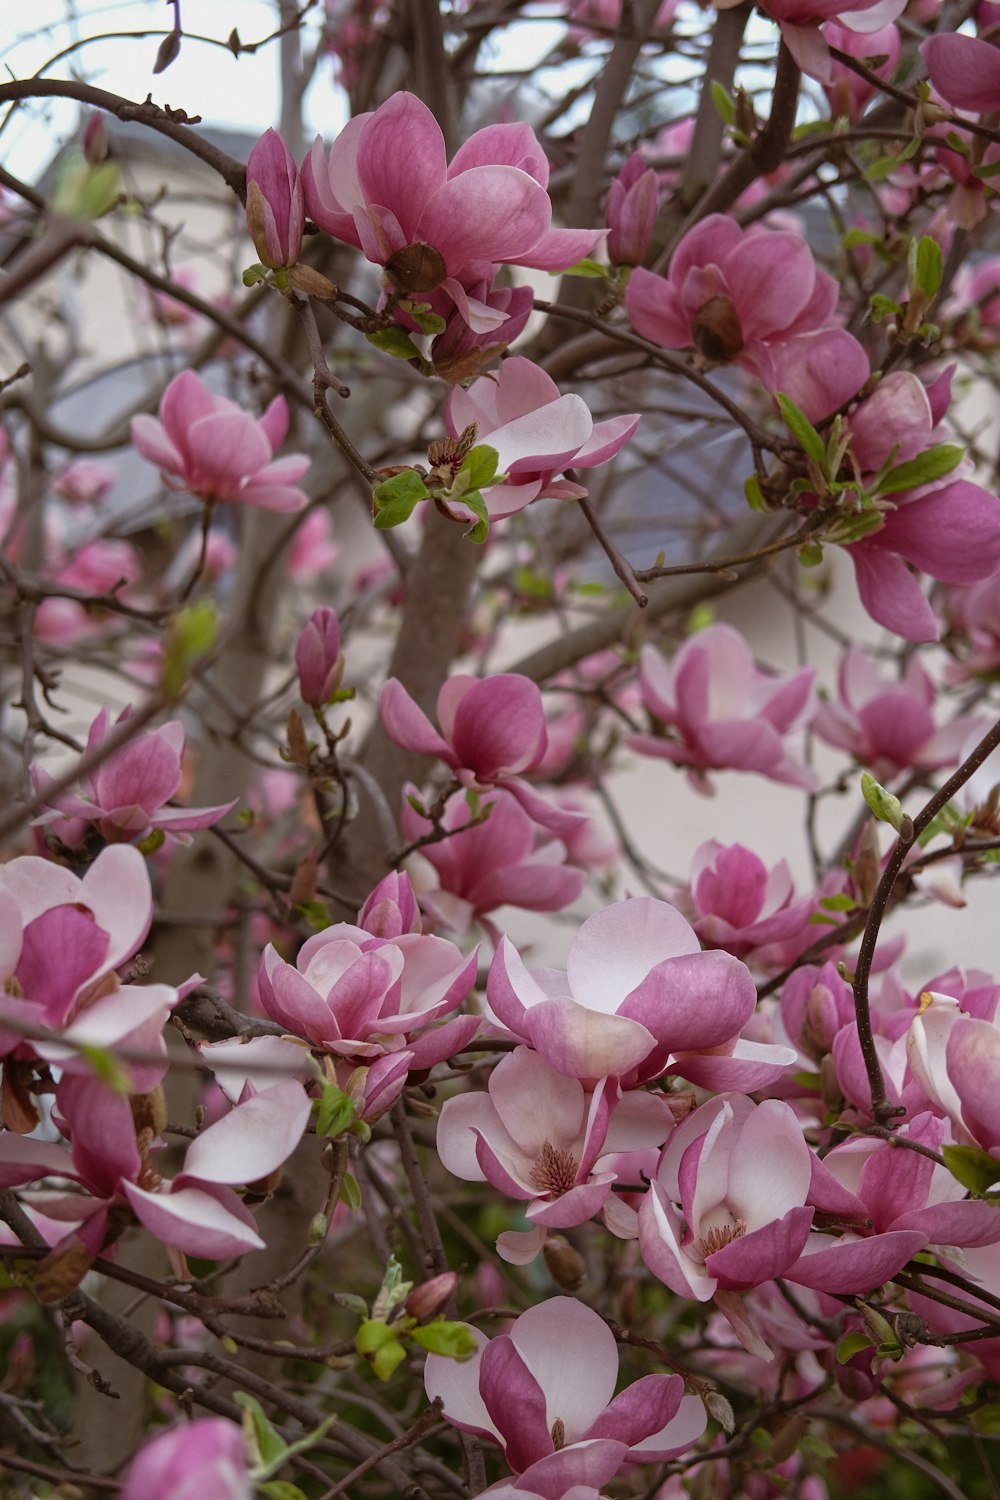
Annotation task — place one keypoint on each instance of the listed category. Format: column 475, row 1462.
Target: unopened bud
column 95, row 139
column 867, row 863
column 317, row 657
column 565, row 1265
column 720, row 1410
column 429, row 1298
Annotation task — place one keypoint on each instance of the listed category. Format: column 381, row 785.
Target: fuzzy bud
column 429, row 1298
column 565, row 1265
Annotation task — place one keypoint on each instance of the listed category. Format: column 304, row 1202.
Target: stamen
column 555, row 1171
column 720, row 1236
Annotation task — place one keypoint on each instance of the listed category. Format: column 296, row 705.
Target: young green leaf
column 974, row 1169
column 440, row 1337
column 395, row 499
column 802, row 429
column 933, row 464
column 394, row 341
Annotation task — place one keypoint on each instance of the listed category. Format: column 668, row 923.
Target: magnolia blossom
column 732, row 292
column 459, row 353
column 275, row 203
column 716, row 711
column 848, row 92
column 492, row 731
column 61, row 940
column 964, row 70
column 800, row 22
column 537, row 433
column 630, row 212
column 203, row 1458
column 317, row 657
column 740, row 905
column 388, row 189
column 503, row 859
column 888, row 726
column 85, row 481
column 727, row 1208
column 638, row 996
column 130, row 789
column 543, row 1138
column 206, row 444
column 545, row 1391
column 197, row 1213
column 360, row 996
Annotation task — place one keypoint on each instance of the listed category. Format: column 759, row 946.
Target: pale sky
column 204, row 79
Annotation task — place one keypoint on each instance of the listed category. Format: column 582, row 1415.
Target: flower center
column 555, row 1171
column 716, row 329
column 720, row 1236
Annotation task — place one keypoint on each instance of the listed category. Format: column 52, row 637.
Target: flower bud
column 275, row 203
column 95, row 139
column 565, row 1265
column 429, row 1298
column 391, row 910
column 630, row 212
column 317, row 657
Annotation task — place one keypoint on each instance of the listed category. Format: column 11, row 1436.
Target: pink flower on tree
column 500, row 860
column 731, row 293
column 492, row 732
column 129, row 791
column 964, row 70
column 800, row 22
column 85, row 481
column 544, row 1139
column 740, row 905
column 889, row 726
column 388, row 189
column 207, row 445
column 537, row 433
column 847, row 92
column 630, row 212
column 638, row 997
column 201, row 1459
column 317, row 657
column 713, row 710
column 275, row 203
column 727, row 1209
column 546, row 1393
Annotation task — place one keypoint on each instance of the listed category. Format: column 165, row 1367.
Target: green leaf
column 802, row 429
column 855, row 237
column 456, row 1340
column 886, row 807
column 975, row 1169
column 987, row 1420
column 585, row 267
column 350, row 1193
column 840, row 902
column 927, row 266
column 852, row 1344
column 754, row 494
column 388, row 1358
column 428, row 322
column 395, row 499
column 480, row 466
column 394, row 341
column 336, row 1111
column 480, row 529
column 393, row 1290
column 883, row 307
column 266, row 1447
column 371, row 1335
column 724, row 106
column 933, row 464
column 313, row 912
column 811, row 554
column 106, row 1066
column 192, row 636
column 810, row 1081
column 882, row 168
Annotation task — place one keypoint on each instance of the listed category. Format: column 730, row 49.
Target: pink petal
column 584, row 1043
column 408, row 726
column 964, row 70
column 196, row 1221
column 854, row 1265
column 576, row 1390
column 516, row 1403
column 559, row 248
column 252, row 1140
column 615, row 950
column 488, row 213
column 401, row 159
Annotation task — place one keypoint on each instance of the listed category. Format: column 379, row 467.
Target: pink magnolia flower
column 129, row 791
column 716, row 711
column 313, row 549
column 964, row 70
column 545, row 1392
column 197, row 1213
column 638, row 997
column 389, row 190
column 732, row 292
column 391, row 909
column 888, row 726
column 740, row 905
column 492, row 731
column 630, row 212
column 203, row 1458
column 61, row 940
column 360, row 996
column 460, row 352
column 317, row 657
column 275, row 203
column 503, row 860
column 537, row 433
column 85, row 481
column 206, row 444
column 848, row 92
column 544, row 1139
column 727, row 1209
column 949, row 529
column 800, row 21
